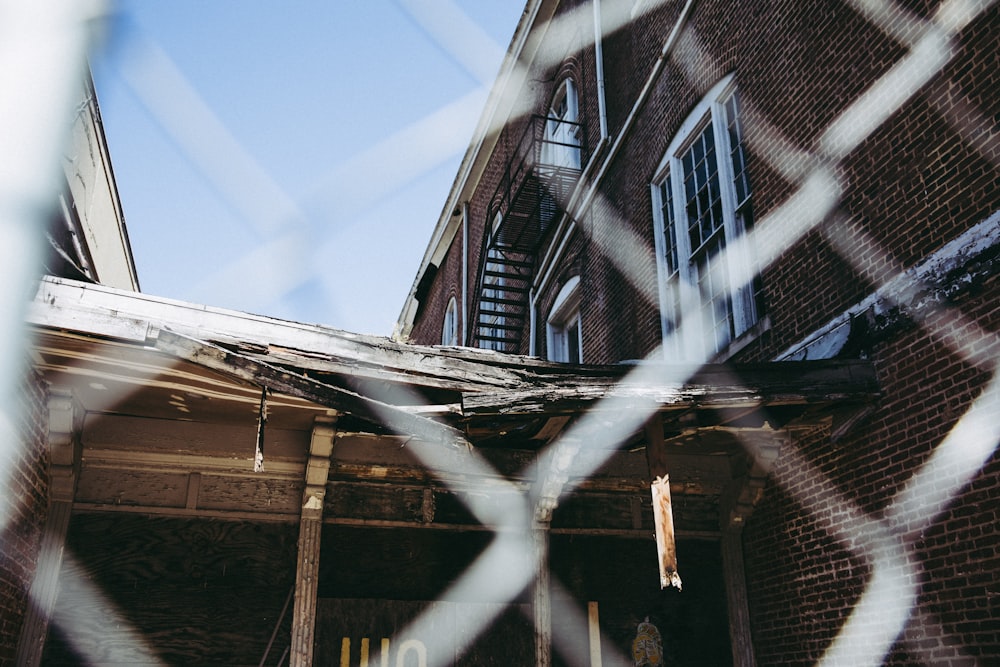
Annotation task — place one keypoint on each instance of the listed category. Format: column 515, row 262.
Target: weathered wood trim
column 104, row 311
column 317, row 472
column 118, row 459
column 179, row 512
column 310, row 533
column 554, row 465
column 294, row 384
column 62, row 304
column 666, row 545
column 65, row 423
column 186, row 513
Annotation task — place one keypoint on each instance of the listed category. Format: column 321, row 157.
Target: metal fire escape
column 532, row 194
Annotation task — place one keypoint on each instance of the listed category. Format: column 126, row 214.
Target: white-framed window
column 701, row 207
column 564, row 339
column 561, row 147
column 449, row 332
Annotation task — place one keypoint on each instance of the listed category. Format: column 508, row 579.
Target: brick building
column 729, row 183
column 811, row 364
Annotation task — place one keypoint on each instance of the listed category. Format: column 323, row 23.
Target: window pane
column 701, row 186
column 737, row 150
column 669, row 226
column 713, row 283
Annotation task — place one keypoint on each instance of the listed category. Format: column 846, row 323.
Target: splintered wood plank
column 302, row 386
column 715, row 387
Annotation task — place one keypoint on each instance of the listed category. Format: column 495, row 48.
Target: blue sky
column 292, row 158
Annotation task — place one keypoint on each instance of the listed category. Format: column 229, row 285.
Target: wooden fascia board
column 294, row 384
column 107, row 312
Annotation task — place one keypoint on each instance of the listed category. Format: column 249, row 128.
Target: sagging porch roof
column 460, row 395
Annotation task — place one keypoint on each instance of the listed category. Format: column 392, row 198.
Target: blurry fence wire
column 51, row 34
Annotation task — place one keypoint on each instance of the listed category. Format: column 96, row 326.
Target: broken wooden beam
column 287, row 382
column 711, row 387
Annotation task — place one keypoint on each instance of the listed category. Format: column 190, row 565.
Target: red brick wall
column 803, row 583
column 23, row 505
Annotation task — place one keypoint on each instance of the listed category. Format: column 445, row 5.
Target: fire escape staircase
column 532, row 195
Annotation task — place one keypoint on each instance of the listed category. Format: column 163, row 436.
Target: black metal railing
column 532, row 194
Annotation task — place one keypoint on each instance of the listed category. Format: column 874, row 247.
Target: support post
column 747, row 488
column 541, row 593
column 310, row 532
column 65, row 424
column 736, row 598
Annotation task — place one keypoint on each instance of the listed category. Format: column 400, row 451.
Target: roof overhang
column 169, row 398
column 100, row 336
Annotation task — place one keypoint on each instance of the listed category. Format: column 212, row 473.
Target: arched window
column 562, row 128
column 701, row 206
column 565, row 341
column 449, row 332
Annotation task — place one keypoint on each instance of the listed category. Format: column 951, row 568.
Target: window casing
column 709, row 292
column 564, row 338
column 449, row 331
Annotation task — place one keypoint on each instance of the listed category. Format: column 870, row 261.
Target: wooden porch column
column 65, row 423
column 762, row 450
column 541, row 593
column 310, row 532
column 736, row 598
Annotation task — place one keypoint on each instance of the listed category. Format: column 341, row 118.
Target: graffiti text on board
column 410, row 647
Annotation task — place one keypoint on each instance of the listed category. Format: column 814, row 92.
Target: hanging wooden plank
column 258, row 455
column 666, row 546
column 663, row 516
